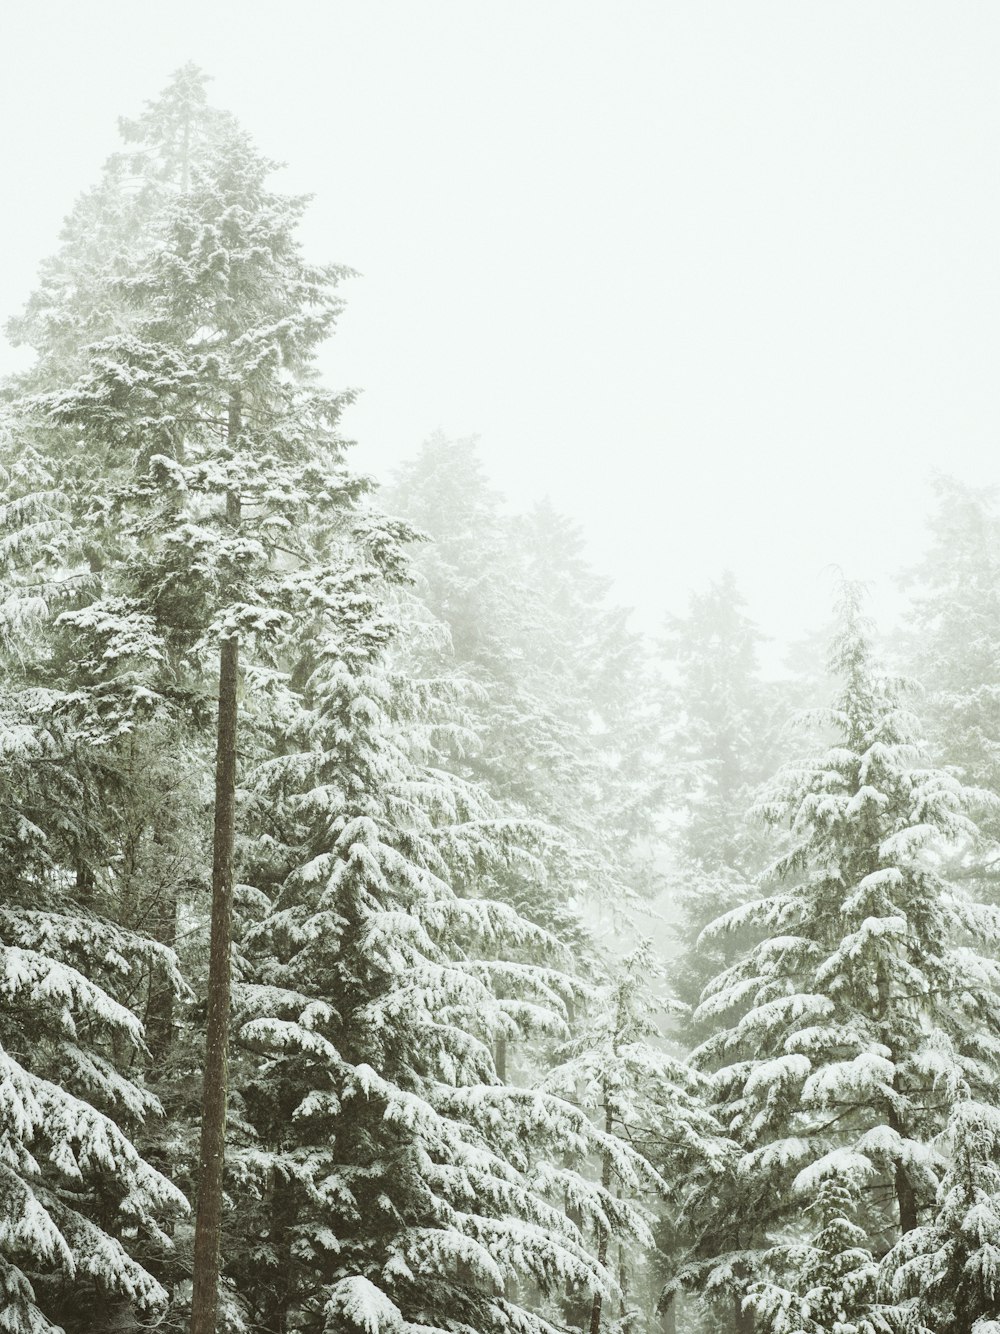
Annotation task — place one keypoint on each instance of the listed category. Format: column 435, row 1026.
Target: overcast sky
column 720, row 278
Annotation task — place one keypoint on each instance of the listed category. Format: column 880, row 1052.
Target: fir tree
column 84, row 293
column 719, row 739
column 618, row 1067
column 947, row 1272
column 828, row 1283
column 955, row 602
column 399, row 1180
column 213, row 464
column 870, row 1003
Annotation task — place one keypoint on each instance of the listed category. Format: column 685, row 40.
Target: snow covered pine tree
column 80, row 1210
column 947, row 1272
column 204, row 478
column 616, row 1066
column 871, row 1001
column 955, row 594
column 401, row 1183
column 719, row 747
column 212, row 465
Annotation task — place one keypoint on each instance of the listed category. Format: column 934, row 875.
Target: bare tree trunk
column 207, row 1237
column 500, row 1059
column 602, row 1242
column 906, row 1196
column 208, row 1224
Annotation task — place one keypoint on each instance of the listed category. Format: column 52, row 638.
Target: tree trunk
column 906, row 1198
column 623, row 1274
column 595, row 1310
column 500, row 1059
column 207, row 1237
column 623, row 1284
column 208, row 1225
column 602, row 1242
column 85, row 884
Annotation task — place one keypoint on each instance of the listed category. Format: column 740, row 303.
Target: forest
column 392, row 939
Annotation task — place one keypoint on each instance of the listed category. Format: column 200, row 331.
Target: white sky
column 721, row 278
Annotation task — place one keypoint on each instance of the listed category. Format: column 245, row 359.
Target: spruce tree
column 719, row 740
column 212, row 464
column 946, row 1273
column 871, row 1000
column 399, row 1180
column 955, row 601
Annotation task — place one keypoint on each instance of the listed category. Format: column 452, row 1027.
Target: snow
column 843, row 1163
column 357, row 1302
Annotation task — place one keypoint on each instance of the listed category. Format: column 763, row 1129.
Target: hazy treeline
column 399, row 744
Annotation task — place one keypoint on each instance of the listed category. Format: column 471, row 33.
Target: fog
column 720, row 279
column 555, row 977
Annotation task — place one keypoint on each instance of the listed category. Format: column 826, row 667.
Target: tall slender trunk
column 208, row 1225
column 602, row 1241
column 500, row 1059
column 623, row 1273
column 207, row 1237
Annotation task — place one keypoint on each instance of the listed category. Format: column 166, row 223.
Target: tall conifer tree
column 871, row 1002
column 215, row 465
column 718, row 733
column 955, row 601
column 400, row 1181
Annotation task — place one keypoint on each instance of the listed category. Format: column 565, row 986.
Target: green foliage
column 870, row 1003
column 558, row 706
column 947, row 1273
column 829, row 1283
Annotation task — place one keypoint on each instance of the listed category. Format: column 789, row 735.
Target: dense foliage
column 558, row 1001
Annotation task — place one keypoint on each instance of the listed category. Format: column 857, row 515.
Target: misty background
column 719, row 278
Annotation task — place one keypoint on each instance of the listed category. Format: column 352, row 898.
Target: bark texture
column 208, row 1225
column 602, row 1243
